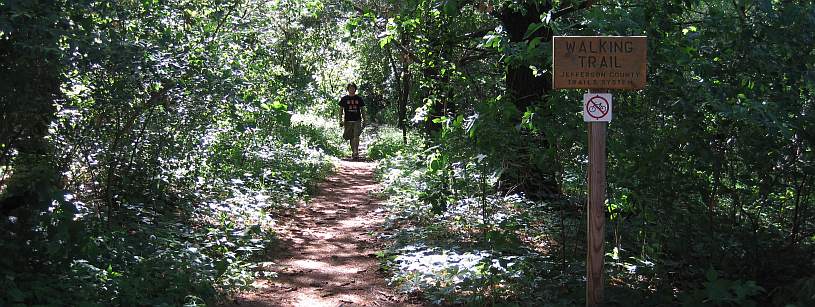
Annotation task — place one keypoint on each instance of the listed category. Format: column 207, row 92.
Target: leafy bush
column 196, row 250
column 800, row 293
column 723, row 292
column 320, row 133
column 385, row 141
column 465, row 251
column 445, row 275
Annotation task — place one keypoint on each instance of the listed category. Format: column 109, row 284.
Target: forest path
column 326, row 247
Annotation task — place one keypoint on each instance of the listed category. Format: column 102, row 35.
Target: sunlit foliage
column 710, row 167
column 146, row 147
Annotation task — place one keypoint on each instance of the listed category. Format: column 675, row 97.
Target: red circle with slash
column 597, row 107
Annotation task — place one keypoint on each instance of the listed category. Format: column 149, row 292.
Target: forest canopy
column 148, row 147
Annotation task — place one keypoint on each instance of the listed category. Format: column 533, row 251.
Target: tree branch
column 571, row 9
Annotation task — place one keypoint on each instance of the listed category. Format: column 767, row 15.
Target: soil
column 326, row 256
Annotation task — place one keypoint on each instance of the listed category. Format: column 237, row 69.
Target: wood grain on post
column 596, row 215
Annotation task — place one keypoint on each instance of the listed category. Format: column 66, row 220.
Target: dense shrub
column 386, row 141
column 195, row 250
column 146, row 146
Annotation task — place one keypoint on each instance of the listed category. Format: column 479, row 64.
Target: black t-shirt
column 352, row 106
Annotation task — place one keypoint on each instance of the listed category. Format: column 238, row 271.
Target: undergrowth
column 463, row 248
column 196, row 242
column 456, row 238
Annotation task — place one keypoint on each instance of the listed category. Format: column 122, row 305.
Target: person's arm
column 341, row 115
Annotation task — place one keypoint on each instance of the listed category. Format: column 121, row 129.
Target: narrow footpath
column 326, row 257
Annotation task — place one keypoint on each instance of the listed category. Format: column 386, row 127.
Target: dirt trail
column 325, row 257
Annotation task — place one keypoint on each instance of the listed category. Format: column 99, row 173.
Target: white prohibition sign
column 597, row 107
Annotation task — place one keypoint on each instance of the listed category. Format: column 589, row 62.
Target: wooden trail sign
column 593, row 62
column 597, row 63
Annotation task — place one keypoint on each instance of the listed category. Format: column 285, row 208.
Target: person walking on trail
column 351, row 117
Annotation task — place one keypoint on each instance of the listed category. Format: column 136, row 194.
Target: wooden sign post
column 595, row 63
column 595, row 281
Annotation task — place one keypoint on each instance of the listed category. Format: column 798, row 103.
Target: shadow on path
column 326, row 256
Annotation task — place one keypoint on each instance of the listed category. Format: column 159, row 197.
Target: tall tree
column 30, row 76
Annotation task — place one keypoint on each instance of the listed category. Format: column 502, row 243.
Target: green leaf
column 533, row 44
column 16, row 295
column 532, row 28
column 451, row 7
column 385, row 41
column 712, row 275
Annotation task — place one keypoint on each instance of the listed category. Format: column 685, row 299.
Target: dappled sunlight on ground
column 326, row 253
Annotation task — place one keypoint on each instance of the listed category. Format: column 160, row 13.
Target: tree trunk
column 522, row 85
column 29, row 84
column 404, row 93
column 403, row 100
column 525, row 89
column 30, row 76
